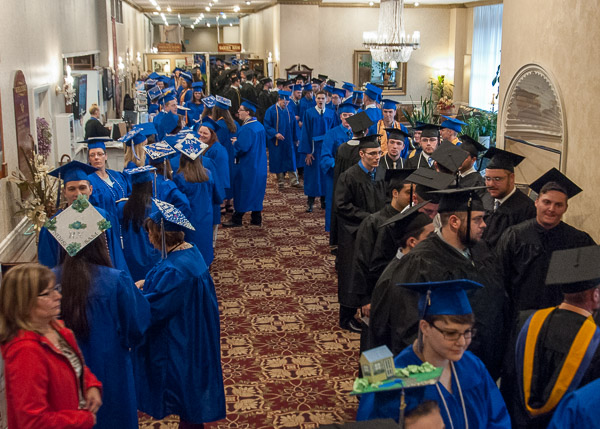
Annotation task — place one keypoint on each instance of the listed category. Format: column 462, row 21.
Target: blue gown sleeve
column 306, row 140
column 167, row 295
column 134, row 311
column 269, row 122
column 569, row 414
column 327, row 161
column 113, row 240
column 498, row 417
column 178, row 199
column 48, row 249
column 244, row 141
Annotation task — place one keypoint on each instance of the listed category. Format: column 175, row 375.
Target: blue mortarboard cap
column 147, row 128
column 357, row 95
column 174, row 219
column 154, row 93
column 190, row 145
column 177, row 69
column 73, row 171
column 158, row 151
column 284, row 94
column 164, row 79
column 209, row 101
column 97, row 142
column 169, row 122
column 154, row 75
column 328, row 89
column 187, row 76
column 349, row 86
column 133, row 137
column 347, row 107
column 307, row 87
column 339, row 91
column 452, row 123
column 222, row 102
column 373, row 91
column 444, row 298
column 389, row 104
column 297, row 87
column 209, row 123
column 249, row 105
column 198, row 86
column 141, row 174
column 168, row 97
column 182, row 110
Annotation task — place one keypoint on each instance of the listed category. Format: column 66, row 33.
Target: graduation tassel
column 59, row 188
column 163, row 239
column 469, row 205
column 402, row 408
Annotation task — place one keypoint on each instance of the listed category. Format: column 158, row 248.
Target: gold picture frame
column 366, row 70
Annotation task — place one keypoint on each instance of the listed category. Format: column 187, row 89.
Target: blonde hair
column 93, row 109
column 130, row 157
column 20, row 288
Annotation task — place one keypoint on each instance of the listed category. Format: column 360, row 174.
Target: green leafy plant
column 424, row 113
column 481, row 123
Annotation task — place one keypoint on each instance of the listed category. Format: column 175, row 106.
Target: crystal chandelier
column 390, row 43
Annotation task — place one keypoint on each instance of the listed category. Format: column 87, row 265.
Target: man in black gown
column 358, row 193
column 510, row 206
column 469, row 176
column 430, row 139
column 449, row 254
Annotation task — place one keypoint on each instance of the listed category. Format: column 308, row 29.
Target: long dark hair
column 193, row 171
column 219, row 113
column 134, row 211
column 76, row 279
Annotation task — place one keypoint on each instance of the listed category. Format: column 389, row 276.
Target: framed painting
column 161, row 66
column 392, row 80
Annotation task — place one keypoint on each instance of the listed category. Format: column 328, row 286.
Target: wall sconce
column 121, row 66
column 67, row 89
column 138, row 58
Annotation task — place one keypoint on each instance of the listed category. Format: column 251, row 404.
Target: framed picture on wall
column 181, row 63
column 161, row 66
column 391, row 79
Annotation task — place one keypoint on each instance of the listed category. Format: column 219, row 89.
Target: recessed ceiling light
column 169, row 9
column 192, row 26
column 155, row 13
column 153, row 2
column 207, row 9
column 248, row 3
column 208, row 24
column 236, row 8
column 224, row 16
column 230, row 24
column 371, row 3
column 210, row 4
column 416, row 4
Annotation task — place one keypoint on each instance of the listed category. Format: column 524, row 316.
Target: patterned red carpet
column 286, row 364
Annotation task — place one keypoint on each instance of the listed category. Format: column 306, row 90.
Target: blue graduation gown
column 140, row 255
column 295, row 109
column 314, row 125
column 105, row 196
column 578, row 408
column 178, row 364
column 250, row 171
column 160, row 132
column 282, row 156
column 306, row 104
column 202, row 196
column 333, row 139
column 483, row 402
column 167, row 190
column 118, row 315
column 224, row 136
column 219, row 196
column 193, row 115
column 153, row 108
column 50, row 252
column 376, row 115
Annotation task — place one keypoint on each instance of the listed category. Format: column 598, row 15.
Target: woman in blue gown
column 228, row 129
column 466, row 394
column 195, row 104
column 108, row 315
column 139, row 253
column 178, row 364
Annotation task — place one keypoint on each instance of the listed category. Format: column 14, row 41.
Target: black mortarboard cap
column 317, row 81
column 331, row 82
column 429, row 130
column 397, row 133
column 502, row 159
column 459, row 200
column 322, row 77
column 471, row 145
column 553, row 175
column 575, row 270
column 449, row 156
column 369, row 142
column 396, row 177
column 280, row 81
column 265, row 80
column 430, row 179
column 407, row 215
column 424, row 192
column 359, row 122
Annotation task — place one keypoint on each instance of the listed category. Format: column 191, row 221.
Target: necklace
column 462, row 400
column 114, row 192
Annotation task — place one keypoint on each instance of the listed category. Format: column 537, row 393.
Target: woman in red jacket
column 47, row 382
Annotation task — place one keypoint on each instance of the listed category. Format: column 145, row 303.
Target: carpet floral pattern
column 286, row 364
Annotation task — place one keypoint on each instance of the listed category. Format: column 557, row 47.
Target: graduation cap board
column 388, row 104
column 360, row 122
column 190, row 145
column 73, row 171
column 472, row 146
column 77, row 225
column 429, row 130
column 140, row 174
column 369, row 142
column 406, row 215
column 452, row 123
column 575, row 270
column 430, row 178
column 443, row 298
column 564, row 183
column 159, row 150
column 502, row 159
column 449, row 156
column 222, row 102
column 209, row 101
column 396, row 133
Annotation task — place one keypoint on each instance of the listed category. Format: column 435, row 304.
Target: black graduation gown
column 235, row 96
column 356, row 196
column 475, row 179
column 385, row 248
column 418, row 161
column 93, row 128
column 524, row 252
column 264, row 102
column 516, row 209
column 385, row 164
column 554, row 341
column 248, row 92
column 345, row 157
column 394, row 309
column 363, row 279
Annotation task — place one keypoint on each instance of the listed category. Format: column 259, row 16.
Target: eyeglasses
column 242, row 110
column 57, row 288
column 494, row 179
column 454, row 336
column 379, row 153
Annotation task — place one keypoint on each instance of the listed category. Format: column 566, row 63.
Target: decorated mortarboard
column 359, row 122
column 210, row 123
column 198, row 86
column 431, row 179
column 347, row 85
column 297, row 87
column 97, row 142
column 502, row 159
column 222, row 102
column 369, row 142
column 373, row 91
column 471, row 145
column 147, row 128
column 150, row 83
column 575, row 270
column 153, row 75
column 388, row 104
column 316, row 81
column 452, row 123
column 133, row 137
column 140, row 174
column 449, row 156
column 429, row 130
column 169, row 122
column 460, row 200
column 167, row 96
column 249, row 105
column 307, row 87
column 159, row 151
column 190, row 145
column 445, row 298
column 339, row 92
column 396, row 133
column 154, row 93
column 284, row 94
column 73, row 171
column 77, row 225
column 347, row 107
column 209, row 101
column 169, row 216
column 182, row 110
column 553, row 175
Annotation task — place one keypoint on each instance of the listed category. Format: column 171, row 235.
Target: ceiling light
column 207, row 9
column 416, row 4
column 201, row 15
column 192, row 26
column 230, row 24
column 370, row 3
column 208, row 24
column 248, row 3
column 155, row 13
column 236, row 8
column 169, row 9
column 215, row 1
column 158, row 8
column 210, row 4
column 153, row 2
column 224, row 16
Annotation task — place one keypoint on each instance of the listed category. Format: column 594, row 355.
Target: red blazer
column 41, row 385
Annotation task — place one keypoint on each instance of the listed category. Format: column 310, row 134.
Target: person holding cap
column 465, row 393
column 557, row 348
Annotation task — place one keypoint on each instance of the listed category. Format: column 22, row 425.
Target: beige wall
column 259, row 32
column 563, row 38
column 201, row 39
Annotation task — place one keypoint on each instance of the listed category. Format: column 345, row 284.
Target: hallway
column 286, row 364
